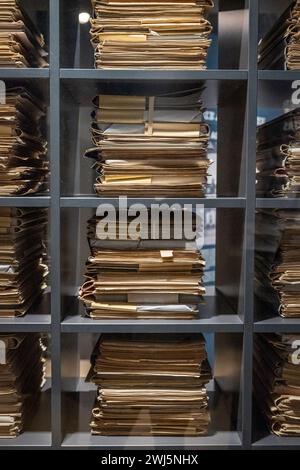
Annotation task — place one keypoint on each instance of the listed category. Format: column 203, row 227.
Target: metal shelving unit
column 230, row 323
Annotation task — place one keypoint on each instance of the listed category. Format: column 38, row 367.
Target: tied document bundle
column 150, row 145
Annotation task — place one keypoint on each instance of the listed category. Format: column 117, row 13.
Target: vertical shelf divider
column 250, row 225
column 54, row 9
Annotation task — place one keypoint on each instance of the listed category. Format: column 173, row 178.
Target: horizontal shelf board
column 278, row 74
column 25, row 201
column 219, row 323
column 218, row 440
column 17, row 73
column 94, row 201
column 271, row 441
column 27, row 439
column 215, row 316
column 28, row 323
column 278, row 324
column 277, row 203
column 138, row 74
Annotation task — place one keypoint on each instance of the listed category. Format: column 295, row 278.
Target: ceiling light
column 84, row 17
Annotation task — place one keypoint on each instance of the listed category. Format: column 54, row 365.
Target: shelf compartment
column 79, row 397
column 224, row 309
column 228, row 51
column 226, row 103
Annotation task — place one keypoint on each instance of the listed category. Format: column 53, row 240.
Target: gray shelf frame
column 32, row 323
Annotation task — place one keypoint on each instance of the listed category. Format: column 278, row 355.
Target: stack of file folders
column 21, row 378
column 21, row 44
column 278, row 260
column 277, row 381
column 150, row 385
column 23, row 165
column 142, row 278
column 280, row 48
column 172, row 34
column 23, row 270
column 278, row 156
column 150, row 145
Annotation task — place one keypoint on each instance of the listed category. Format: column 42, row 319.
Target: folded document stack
column 278, row 156
column 150, row 385
column 23, row 165
column 21, row 44
column 172, row 34
column 280, row 48
column 142, row 278
column 277, row 382
column 150, row 145
column 21, row 378
column 278, row 260
column 22, row 271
